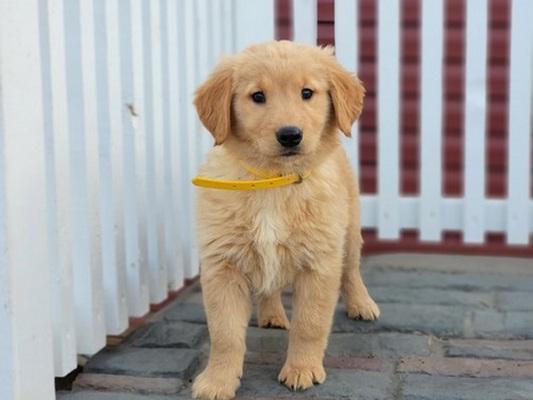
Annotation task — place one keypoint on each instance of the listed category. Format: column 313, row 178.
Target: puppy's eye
column 259, row 97
column 307, row 93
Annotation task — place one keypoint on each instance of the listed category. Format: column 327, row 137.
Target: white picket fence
column 99, row 140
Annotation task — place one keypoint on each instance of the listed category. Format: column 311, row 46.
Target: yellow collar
column 269, row 180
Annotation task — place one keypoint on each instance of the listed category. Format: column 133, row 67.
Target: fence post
column 305, row 21
column 347, row 53
column 388, row 105
column 432, row 58
column 474, row 122
column 26, row 361
column 173, row 154
column 136, row 276
column 519, row 171
column 83, row 180
column 59, row 232
column 254, row 22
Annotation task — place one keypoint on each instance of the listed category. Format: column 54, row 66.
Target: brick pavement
column 451, row 328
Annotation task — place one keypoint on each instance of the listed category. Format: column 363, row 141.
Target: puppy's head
column 280, row 103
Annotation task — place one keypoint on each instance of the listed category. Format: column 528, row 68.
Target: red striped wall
column 497, row 81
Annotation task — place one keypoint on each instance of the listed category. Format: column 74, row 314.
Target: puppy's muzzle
column 289, row 136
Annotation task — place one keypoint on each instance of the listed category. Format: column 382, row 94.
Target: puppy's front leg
column 315, row 296
column 228, row 307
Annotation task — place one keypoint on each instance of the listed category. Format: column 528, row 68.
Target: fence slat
column 115, row 110
column 81, row 107
column 170, row 237
column 203, row 27
column 173, row 139
column 431, row 119
column 305, row 21
column 136, row 276
column 101, row 155
column 475, row 115
column 53, row 66
column 157, row 271
column 190, row 128
column 228, row 26
column 520, row 117
column 254, row 22
column 347, row 52
column 139, row 122
column 154, row 151
column 388, row 117
column 25, row 281
column 217, row 33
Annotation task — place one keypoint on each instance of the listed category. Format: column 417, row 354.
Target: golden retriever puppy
column 276, row 109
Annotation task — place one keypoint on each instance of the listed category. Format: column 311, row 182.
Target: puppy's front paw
column 301, row 378
column 211, row 385
column 364, row 308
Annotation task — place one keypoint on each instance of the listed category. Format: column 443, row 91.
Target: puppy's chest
column 281, row 231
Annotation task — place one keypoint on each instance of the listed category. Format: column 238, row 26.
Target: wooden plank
column 520, row 117
column 26, row 361
column 347, row 52
column 191, row 126
column 229, row 26
column 136, row 277
column 138, row 117
column 451, row 209
column 388, row 118
column 305, row 21
column 170, row 237
column 58, row 234
column 254, row 22
column 100, row 161
column 156, row 267
column 173, row 141
column 217, row 33
column 203, row 28
column 432, row 54
column 475, row 117
column 81, row 99
column 117, row 277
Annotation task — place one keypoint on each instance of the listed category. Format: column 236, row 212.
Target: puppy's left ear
column 213, row 102
column 347, row 93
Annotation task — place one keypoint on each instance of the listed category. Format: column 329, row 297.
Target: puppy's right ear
column 213, row 102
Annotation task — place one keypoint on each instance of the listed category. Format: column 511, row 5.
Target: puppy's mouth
column 290, row 153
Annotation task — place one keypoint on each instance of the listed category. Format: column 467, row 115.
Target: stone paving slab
column 466, row 281
column 434, row 319
column 490, row 349
column 466, row 367
column 180, row 363
column 125, row 383
column 261, row 382
column 92, row 395
column 514, row 301
column 433, row 296
column 171, row 334
column 425, row 387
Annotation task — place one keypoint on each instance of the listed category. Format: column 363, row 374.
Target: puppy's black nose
column 289, row 136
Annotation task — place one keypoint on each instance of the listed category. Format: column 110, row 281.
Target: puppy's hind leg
column 359, row 304
column 270, row 311
column 227, row 302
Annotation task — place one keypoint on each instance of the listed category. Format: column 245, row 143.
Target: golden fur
column 306, row 235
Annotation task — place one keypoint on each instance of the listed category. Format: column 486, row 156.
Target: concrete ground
column 451, row 328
